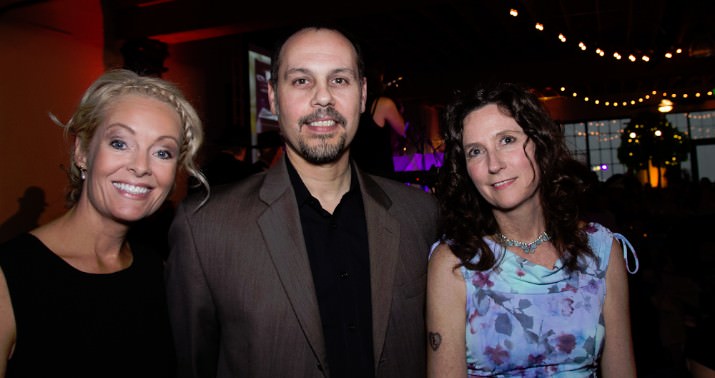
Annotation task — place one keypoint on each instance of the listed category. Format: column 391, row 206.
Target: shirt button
column 343, row 275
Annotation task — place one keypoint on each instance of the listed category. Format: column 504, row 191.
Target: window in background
column 700, row 126
column 575, row 135
column 596, row 142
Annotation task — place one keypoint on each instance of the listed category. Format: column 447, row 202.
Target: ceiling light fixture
column 665, row 106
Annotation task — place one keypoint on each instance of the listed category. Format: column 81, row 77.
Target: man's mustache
column 322, row 114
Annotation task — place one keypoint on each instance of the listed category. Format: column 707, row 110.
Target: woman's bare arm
column 7, row 325
column 446, row 316
column 618, row 360
column 387, row 112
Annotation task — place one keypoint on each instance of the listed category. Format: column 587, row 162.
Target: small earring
column 83, row 174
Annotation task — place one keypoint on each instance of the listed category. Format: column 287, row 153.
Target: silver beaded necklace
column 528, row 248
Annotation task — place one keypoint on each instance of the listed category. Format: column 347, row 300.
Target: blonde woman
column 77, row 297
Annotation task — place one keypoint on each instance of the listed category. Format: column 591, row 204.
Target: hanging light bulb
column 665, row 106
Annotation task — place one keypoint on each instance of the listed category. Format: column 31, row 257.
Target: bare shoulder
column 443, row 262
column 384, row 101
column 7, row 324
column 445, row 315
column 616, row 260
column 445, row 284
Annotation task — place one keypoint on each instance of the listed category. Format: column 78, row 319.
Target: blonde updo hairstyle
column 106, row 89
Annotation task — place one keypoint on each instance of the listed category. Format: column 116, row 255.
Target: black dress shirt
column 339, row 259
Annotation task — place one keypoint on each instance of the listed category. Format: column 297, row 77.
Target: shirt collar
column 302, row 195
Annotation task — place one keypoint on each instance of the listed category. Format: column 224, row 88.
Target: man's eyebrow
column 299, row 70
column 342, row 70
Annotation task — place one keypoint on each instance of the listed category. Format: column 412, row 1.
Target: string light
column 702, row 116
column 395, row 82
column 632, row 57
column 665, row 106
column 636, row 100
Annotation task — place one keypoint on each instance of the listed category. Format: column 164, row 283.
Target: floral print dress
column 525, row 320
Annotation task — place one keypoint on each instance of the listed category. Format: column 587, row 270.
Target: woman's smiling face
column 132, row 159
column 500, row 158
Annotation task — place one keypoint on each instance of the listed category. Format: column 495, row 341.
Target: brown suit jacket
column 240, row 289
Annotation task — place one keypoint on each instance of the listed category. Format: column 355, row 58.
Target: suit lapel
column 383, row 232
column 280, row 225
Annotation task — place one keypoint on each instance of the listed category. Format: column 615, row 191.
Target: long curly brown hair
column 467, row 218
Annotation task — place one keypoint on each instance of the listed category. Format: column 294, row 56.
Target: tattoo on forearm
column 434, row 340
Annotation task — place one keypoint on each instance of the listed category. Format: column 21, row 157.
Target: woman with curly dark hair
column 544, row 293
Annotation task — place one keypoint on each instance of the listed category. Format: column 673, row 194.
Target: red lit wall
column 49, row 53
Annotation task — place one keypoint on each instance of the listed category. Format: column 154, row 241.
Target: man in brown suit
column 313, row 268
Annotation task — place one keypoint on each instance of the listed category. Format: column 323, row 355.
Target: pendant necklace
column 528, row 248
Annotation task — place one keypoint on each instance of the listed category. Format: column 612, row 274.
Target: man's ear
column 363, row 95
column 272, row 98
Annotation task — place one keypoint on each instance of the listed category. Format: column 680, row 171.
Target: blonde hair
column 107, row 88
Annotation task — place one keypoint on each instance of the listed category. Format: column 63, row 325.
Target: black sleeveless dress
column 372, row 147
column 75, row 324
